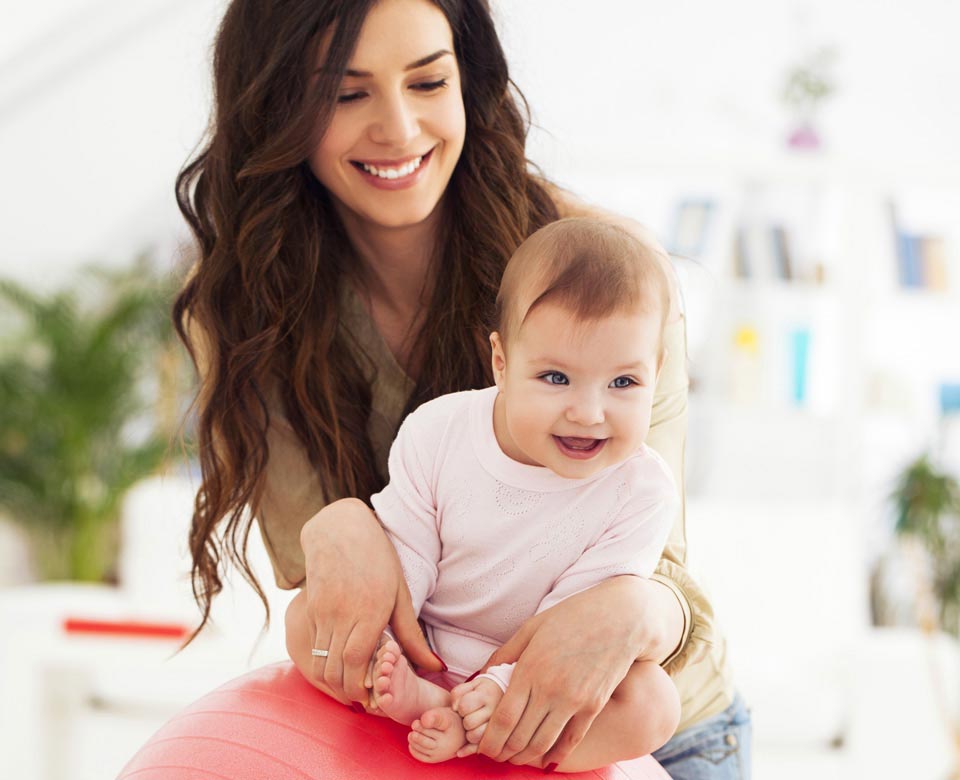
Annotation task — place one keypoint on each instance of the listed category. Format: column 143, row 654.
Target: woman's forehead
column 396, row 35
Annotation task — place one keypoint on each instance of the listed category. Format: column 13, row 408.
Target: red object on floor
column 125, row 628
column 272, row 724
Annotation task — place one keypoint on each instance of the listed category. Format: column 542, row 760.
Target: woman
column 362, row 188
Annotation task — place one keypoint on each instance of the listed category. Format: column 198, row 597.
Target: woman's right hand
column 354, row 587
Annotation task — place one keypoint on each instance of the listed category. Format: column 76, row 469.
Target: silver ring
column 319, row 653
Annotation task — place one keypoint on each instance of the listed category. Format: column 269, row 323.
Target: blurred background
column 799, row 159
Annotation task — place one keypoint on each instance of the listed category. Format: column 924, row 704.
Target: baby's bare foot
column 397, row 690
column 436, row 736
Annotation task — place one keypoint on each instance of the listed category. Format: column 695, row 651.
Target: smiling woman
column 398, row 129
column 362, row 187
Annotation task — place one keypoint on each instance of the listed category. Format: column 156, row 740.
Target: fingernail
column 445, row 667
column 357, row 707
column 550, row 767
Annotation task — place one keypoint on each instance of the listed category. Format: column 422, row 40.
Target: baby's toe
column 422, row 741
column 439, row 718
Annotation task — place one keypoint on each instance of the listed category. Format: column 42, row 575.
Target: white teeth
column 393, row 173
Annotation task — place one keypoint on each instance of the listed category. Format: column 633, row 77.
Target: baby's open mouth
column 578, row 447
column 576, row 443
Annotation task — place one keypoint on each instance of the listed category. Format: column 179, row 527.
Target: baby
column 503, row 502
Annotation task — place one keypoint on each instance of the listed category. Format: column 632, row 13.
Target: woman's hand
column 569, row 661
column 354, row 588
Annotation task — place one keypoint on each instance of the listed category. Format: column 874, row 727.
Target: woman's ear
column 498, row 359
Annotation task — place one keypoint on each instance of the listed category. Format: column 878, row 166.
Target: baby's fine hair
column 590, row 268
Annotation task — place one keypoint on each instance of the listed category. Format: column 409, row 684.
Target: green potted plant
column 927, row 504
column 806, row 85
column 78, row 411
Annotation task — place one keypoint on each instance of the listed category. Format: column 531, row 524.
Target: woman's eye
column 555, row 378
column 622, row 381
column 430, row 86
column 349, row 97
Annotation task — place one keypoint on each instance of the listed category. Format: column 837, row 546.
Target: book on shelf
column 691, row 228
column 763, row 251
column 921, row 257
column 921, row 261
column 933, row 253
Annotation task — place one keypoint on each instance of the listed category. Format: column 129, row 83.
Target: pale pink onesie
column 486, row 542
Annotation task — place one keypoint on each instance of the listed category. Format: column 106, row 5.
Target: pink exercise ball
column 273, row 725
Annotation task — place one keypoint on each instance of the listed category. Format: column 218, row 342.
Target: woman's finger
column 501, row 740
column 519, row 740
column 321, row 644
column 542, row 740
column 406, row 628
column 358, row 651
column 333, row 668
column 573, row 733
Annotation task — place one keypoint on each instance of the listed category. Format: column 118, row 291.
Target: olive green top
column 293, row 495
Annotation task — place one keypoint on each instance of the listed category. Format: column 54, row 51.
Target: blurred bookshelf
column 822, row 298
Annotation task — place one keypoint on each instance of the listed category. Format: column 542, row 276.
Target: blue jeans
column 716, row 749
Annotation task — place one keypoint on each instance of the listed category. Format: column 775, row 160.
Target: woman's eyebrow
column 412, row 66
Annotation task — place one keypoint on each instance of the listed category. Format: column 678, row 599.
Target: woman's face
column 399, row 124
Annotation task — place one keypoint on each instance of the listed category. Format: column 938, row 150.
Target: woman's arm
column 355, row 582
column 569, row 660
column 343, row 559
column 354, row 587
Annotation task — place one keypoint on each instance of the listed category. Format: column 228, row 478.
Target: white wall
column 693, row 78
column 101, row 101
column 100, row 104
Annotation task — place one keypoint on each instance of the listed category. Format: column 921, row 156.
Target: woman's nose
column 397, row 124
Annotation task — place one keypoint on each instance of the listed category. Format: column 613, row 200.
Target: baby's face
column 576, row 397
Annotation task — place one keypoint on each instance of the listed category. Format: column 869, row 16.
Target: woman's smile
column 393, row 174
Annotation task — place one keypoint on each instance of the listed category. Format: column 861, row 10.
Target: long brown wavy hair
column 259, row 311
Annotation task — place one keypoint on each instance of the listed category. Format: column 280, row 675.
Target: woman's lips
column 393, row 174
column 579, row 448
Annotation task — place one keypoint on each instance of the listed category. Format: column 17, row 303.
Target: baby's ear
column 498, row 359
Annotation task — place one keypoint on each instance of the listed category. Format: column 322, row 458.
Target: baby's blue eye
column 555, row 378
column 622, row 381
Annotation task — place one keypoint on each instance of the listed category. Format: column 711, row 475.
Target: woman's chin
column 398, row 219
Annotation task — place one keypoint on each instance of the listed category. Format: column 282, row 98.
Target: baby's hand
column 474, row 701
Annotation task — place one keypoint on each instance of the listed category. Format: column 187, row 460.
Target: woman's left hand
column 570, row 659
